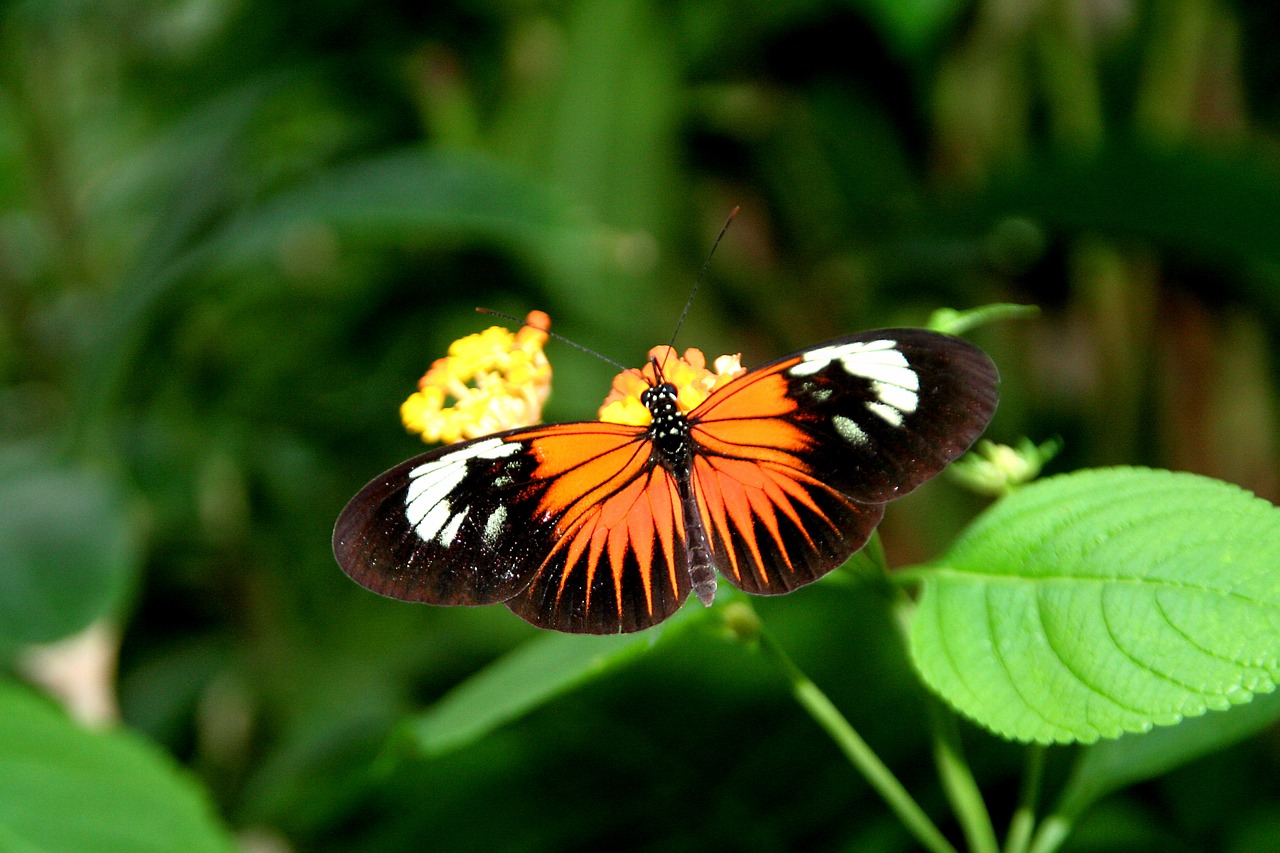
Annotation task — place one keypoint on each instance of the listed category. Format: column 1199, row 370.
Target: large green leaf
column 67, row 548
column 1104, row 602
column 63, row 788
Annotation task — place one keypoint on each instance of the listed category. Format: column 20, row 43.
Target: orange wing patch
column 748, row 419
column 775, row 524
column 616, row 557
column 744, row 500
column 585, row 466
column 774, row 528
column 753, row 395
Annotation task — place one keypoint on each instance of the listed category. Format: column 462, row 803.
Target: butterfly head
column 668, row 427
column 662, row 400
column 688, row 376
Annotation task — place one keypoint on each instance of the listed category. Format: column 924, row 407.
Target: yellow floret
column 490, row 381
column 689, row 374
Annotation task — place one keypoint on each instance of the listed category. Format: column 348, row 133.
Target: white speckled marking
column 493, row 527
column 821, row 395
column 849, row 431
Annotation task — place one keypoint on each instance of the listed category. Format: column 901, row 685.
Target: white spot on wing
column 494, row 525
column 897, row 374
column 894, row 383
column 821, row 395
column 849, row 430
column 816, row 359
column 891, row 415
column 902, row 399
column 429, row 523
column 450, row 532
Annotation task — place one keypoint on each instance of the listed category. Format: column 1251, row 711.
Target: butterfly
column 772, row 481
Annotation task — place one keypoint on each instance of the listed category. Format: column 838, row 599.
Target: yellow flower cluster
column 491, row 381
column 693, row 381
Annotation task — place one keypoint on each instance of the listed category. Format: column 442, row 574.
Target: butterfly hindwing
column 797, row 457
column 618, row 562
column 774, row 528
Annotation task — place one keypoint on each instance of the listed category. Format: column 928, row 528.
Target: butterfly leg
column 702, row 566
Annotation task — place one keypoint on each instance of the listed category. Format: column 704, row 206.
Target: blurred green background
column 234, row 234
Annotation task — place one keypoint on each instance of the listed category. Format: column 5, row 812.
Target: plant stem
column 813, row 700
column 1024, row 819
column 958, row 782
column 1053, row 831
column 948, row 754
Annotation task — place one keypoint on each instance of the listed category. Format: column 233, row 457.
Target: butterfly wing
column 797, row 458
column 572, row 525
column 617, row 560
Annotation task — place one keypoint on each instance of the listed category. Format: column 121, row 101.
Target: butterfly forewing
column 456, row 526
column 796, row 458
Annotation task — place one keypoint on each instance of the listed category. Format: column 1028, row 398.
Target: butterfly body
column 772, row 481
column 669, row 434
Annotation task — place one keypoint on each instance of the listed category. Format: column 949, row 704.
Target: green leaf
column 67, row 547
column 1109, row 765
column 65, row 788
column 1102, row 602
column 530, row 676
column 412, row 193
column 1133, row 190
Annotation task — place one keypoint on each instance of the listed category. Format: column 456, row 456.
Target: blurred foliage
column 233, row 235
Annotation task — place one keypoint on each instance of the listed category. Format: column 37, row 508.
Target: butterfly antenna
column 702, row 274
column 698, row 283
column 558, row 337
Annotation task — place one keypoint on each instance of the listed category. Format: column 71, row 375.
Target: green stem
column 813, row 700
column 1053, row 831
column 948, row 754
column 1024, row 819
column 910, row 576
column 957, row 781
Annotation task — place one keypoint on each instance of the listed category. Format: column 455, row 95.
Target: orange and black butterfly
column 772, row 481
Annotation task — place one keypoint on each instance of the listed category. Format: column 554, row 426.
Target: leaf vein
column 1076, row 672
column 1138, row 662
column 1004, row 664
